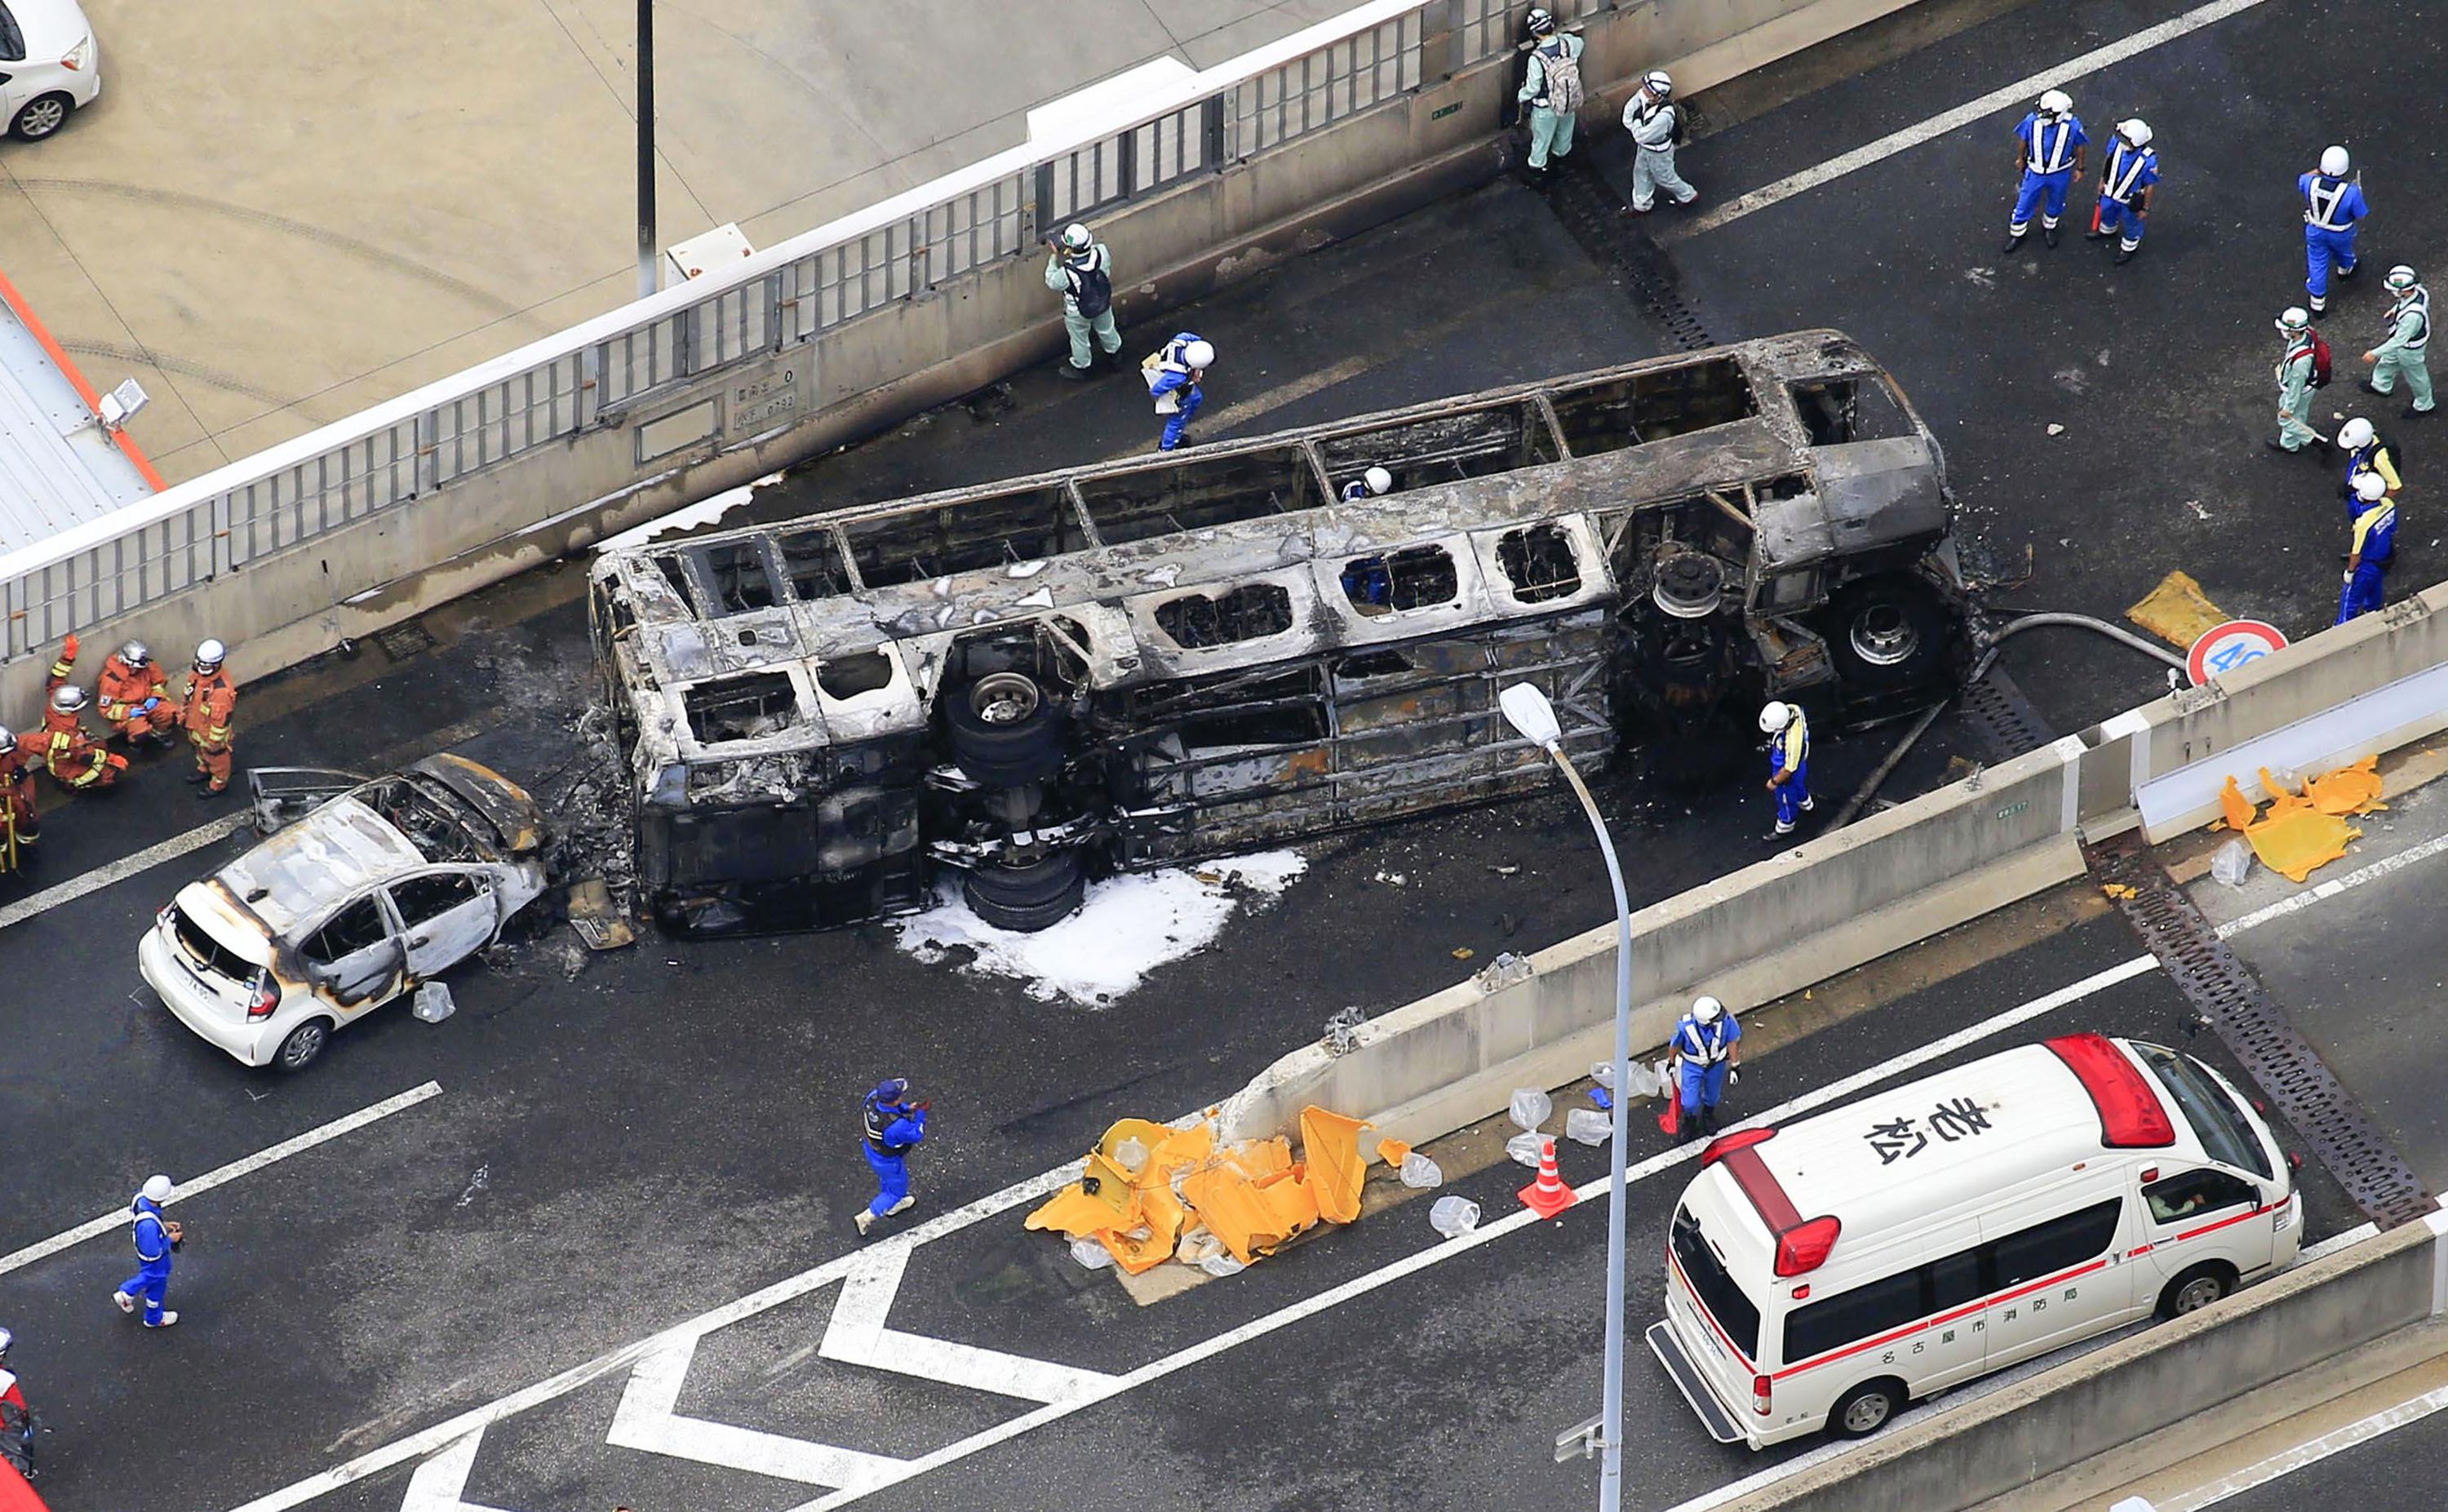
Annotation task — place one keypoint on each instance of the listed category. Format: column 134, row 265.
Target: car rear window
column 207, row 952
column 1718, row 1290
column 2208, row 1111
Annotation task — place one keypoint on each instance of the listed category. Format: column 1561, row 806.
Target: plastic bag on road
column 1453, row 1216
column 432, row 1002
column 1220, row 1264
column 1132, row 1155
column 1091, row 1254
column 1420, row 1174
column 1588, row 1126
column 1602, row 1072
column 2232, row 864
column 1530, row 1108
column 1524, row 1149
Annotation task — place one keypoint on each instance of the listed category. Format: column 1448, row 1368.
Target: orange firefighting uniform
column 121, row 691
column 205, row 709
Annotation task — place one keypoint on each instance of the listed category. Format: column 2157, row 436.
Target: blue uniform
column 1790, row 752
column 2049, row 146
column 894, row 1129
column 2131, row 171
column 1172, row 378
column 2374, row 546
column 1700, row 1051
column 152, row 1278
column 2332, row 209
column 2373, row 458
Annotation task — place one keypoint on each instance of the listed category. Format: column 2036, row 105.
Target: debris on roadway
column 2299, row 832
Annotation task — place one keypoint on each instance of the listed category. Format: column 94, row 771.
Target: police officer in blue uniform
column 1706, row 1049
column 2373, row 516
column 2125, row 182
column 156, row 1237
column 2048, row 150
column 894, row 1127
column 2333, row 207
column 1368, row 484
column 1788, row 763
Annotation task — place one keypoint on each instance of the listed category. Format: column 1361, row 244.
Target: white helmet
column 2293, row 321
column 2136, row 131
column 67, row 699
column 1200, row 355
column 156, row 1189
column 6, row 1339
column 210, row 654
column 1706, row 1009
column 135, row 653
column 2334, row 163
column 1659, row 83
column 2355, row 434
column 1775, row 717
column 8, row 739
column 1539, row 21
column 2057, row 102
column 2370, row 488
column 1076, row 237
column 2401, row 277
column 1379, row 480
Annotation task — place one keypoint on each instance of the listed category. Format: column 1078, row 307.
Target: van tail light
column 1760, row 1391
column 169, row 910
column 2294, row 1160
column 261, row 997
column 1802, row 1249
column 1726, row 1144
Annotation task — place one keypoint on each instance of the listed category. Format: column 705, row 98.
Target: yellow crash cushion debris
column 2349, row 789
column 1331, row 1145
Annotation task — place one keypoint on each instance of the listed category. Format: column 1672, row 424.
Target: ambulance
column 1824, row 1274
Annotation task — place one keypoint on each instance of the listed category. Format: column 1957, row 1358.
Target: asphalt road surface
column 624, row 1144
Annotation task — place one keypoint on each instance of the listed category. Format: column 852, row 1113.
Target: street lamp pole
column 648, row 274
column 1527, row 710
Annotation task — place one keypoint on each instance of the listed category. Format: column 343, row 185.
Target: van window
column 1819, row 1326
column 2197, row 1192
column 2053, row 1246
column 1718, row 1291
column 2208, row 1111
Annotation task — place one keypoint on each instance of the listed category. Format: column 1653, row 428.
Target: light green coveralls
column 1551, row 130
column 2407, row 349
column 1109, row 336
column 2295, row 429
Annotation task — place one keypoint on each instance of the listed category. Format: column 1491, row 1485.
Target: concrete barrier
column 2156, row 1379
column 834, row 334
column 1896, row 877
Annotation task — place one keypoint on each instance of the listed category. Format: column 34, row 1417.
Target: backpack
column 1092, row 290
column 2320, row 360
column 1562, row 74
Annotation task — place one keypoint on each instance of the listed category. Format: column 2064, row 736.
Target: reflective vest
column 1702, row 1044
column 1652, row 125
column 881, row 1116
column 2376, row 533
column 1792, row 744
column 2325, row 204
column 2418, row 300
column 2049, row 146
column 2128, row 167
column 2300, row 352
column 142, row 1211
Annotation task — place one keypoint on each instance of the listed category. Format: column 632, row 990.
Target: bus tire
column 1886, row 633
column 1866, row 1409
column 2194, row 1290
column 1026, row 899
column 1004, row 732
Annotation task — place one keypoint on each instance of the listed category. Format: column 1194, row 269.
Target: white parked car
column 383, row 887
column 49, row 66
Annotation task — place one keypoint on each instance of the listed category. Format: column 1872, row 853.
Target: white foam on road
column 1125, row 927
column 689, row 517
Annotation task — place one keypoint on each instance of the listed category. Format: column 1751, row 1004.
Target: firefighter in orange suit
column 75, row 758
column 135, row 697
column 17, row 799
column 205, row 709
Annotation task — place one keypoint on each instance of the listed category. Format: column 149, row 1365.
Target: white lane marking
column 857, row 1336
column 648, row 1420
column 2018, row 95
column 121, row 870
column 437, row 1484
column 196, row 1186
column 428, row 1441
column 2311, row 1451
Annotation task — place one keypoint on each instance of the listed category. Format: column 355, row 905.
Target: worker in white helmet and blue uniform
column 2047, row 152
column 1551, row 86
column 2125, row 179
column 156, row 1237
column 2333, row 208
column 1788, row 763
column 1173, row 374
column 1705, row 1049
column 1368, row 484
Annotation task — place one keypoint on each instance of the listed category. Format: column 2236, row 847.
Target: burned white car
column 385, row 884
column 1139, row 662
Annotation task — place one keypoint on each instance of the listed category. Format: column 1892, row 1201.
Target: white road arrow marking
column 857, row 1336
column 648, row 1420
column 437, row 1484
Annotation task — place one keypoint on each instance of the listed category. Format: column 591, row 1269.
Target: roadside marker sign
column 2225, row 647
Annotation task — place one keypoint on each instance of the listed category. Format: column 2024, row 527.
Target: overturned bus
column 1139, row 662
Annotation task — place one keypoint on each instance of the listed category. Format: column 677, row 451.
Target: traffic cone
column 1548, row 1195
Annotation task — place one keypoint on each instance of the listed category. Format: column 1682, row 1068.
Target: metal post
column 649, row 275
column 1610, row 1404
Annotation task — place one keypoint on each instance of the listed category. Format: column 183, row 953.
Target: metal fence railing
column 413, row 447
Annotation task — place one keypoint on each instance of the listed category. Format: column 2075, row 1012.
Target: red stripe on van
column 1911, row 1329
column 2130, row 1115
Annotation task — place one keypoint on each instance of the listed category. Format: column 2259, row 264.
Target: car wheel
column 41, row 116
column 1004, row 731
column 1886, row 633
column 1027, row 898
column 1865, row 1410
column 2195, row 1290
column 304, row 1045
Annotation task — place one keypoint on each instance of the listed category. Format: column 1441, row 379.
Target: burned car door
column 284, row 796
column 353, row 960
column 447, row 915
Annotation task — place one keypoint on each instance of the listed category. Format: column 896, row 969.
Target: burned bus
column 1134, row 663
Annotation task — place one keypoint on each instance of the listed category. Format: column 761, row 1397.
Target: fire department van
column 1829, row 1272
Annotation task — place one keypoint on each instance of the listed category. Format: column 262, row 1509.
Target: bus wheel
column 1865, row 1410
